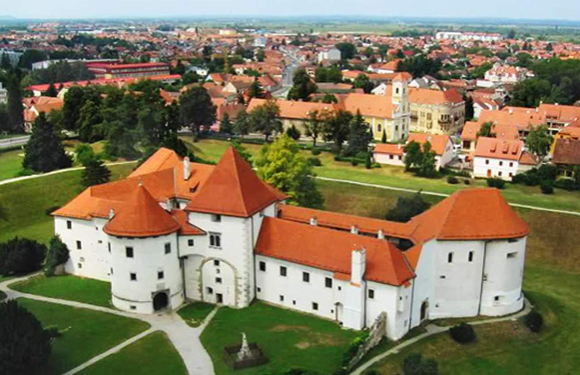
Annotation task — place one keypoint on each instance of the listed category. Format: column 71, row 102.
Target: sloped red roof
column 389, row 148
column 233, row 189
column 331, row 250
column 141, row 216
column 438, row 142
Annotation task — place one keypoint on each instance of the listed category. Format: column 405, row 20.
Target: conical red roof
column 233, row 189
column 141, row 216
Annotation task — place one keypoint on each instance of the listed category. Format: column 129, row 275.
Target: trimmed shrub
column 534, row 321
column 566, row 184
column 415, row 364
column 24, row 344
column 315, row 162
column 520, row 178
column 495, row 182
column 316, row 151
column 546, row 187
column 467, row 182
column 20, row 256
column 58, row 254
column 354, row 162
column 462, row 333
column 452, row 180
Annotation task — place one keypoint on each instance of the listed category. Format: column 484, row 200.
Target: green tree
column 197, row 109
column 359, row 135
column 84, row 153
column 283, row 166
column 384, row 137
column 347, row 50
column 486, row 130
column 89, row 118
column 260, row 55
column 415, row 364
column 362, row 81
column 427, row 166
column 313, row 127
column 539, row 141
column 530, row 92
column 469, row 110
column 242, row 123
column 413, row 155
column 51, row 91
column 226, row 126
column 336, row 127
column 58, row 254
column 303, row 86
column 74, row 101
column 14, row 104
column 95, row 173
column 44, row 151
column 407, row 207
column 266, row 119
column 20, row 256
column 5, row 63
column 24, row 345
column 293, row 132
column 30, row 56
column 479, row 72
column 256, row 90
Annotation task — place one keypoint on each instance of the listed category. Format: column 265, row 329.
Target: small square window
column 79, row 245
column 111, row 271
column 215, row 240
column 167, row 248
column 328, row 282
column 371, row 294
column 190, row 242
column 209, row 290
column 263, row 266
column 259, row 289
column 442, row 277
column 216, row 218
column 80, row 265
column 499, row 173
column 511, row 164
column 160, row 275
column 487, row 161
column 68, row 224
column 314, row 306
column 283, row 271
column 512, row 255
column 339, row 288
column 450, row 258
column 109, row 246
column 133, row 276
column 500, row 163
column 216, row 263
column 218, row 280
column 470, row 257
column 294, row 302
column 133, row 307
column 281, row 298
column 305, row 277
column 129, row 252
column 496, row 298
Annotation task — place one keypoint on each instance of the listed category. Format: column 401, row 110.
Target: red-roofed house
column 497, row 157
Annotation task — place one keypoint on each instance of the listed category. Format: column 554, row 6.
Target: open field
column 68, row 287
column 210, row 149
column 289, row 339
column 10, row 164
column 152, row 355
column 551, row 281
column 195, row 313
column 25, row 205
column 85, row 333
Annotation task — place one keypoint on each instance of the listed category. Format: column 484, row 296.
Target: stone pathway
column 184, row 338
column 433, row 329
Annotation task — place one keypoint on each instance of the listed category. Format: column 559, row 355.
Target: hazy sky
column 538, row 9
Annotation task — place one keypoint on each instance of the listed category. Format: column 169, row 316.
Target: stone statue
column 245, row 351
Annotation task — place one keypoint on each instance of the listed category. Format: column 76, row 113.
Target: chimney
column 358, row 266
column 186, row 168
column 354, row 230
column 313, row 221
column 111, row 213
column 511, row 111
column 380, row 235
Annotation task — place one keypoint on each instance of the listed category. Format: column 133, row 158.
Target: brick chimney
column 186, row 168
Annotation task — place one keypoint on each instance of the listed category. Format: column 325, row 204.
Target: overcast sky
column 537, row 9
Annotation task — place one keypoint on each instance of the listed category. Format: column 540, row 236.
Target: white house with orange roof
column 175, row 231
column 394, row 154
column 500, row 158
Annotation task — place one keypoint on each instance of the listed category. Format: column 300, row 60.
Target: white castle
column 175, row 230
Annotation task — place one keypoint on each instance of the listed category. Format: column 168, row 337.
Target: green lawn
column 195, row 313
column 85, row 333
column 25, row 205
column 10, row 164
column 212, row 150
column 152, row 355
column 289, row 339
column 68, row 287
column 552, row 279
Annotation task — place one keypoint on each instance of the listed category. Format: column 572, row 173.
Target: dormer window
column 216, row 218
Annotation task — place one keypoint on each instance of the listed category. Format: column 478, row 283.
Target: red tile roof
column 389, row 148
column 234, row 189
column 141, row 216
column 497, row 148
column 331, row 250
column 438, row 142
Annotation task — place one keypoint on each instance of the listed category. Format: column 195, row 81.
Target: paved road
column 12, row 142
column 185, row 339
